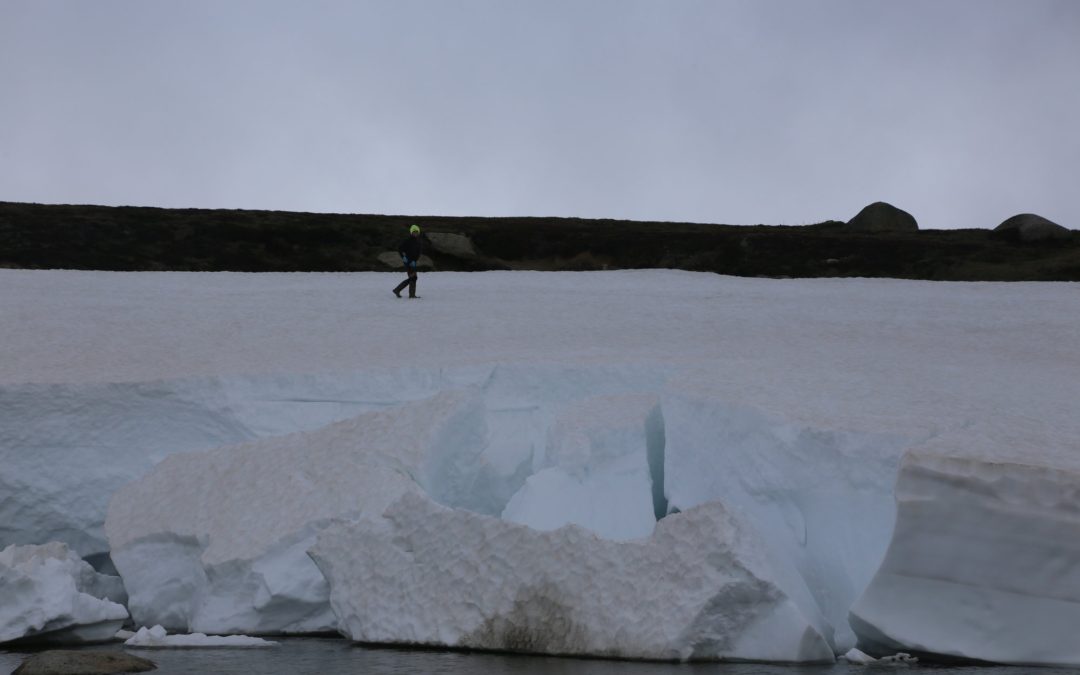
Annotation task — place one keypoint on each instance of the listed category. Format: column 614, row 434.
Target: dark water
column 328, row 656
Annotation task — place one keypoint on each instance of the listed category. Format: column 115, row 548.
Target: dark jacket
column 410, row 248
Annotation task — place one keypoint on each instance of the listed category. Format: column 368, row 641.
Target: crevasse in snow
column 602, row 469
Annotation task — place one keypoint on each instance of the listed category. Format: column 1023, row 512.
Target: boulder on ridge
column 882, row 217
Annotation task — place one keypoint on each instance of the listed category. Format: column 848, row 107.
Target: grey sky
column 962, row 112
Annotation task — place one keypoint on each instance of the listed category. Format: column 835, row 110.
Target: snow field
column 236, row 419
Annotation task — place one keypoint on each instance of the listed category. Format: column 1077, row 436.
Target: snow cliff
column 602, row 469
column 820, row 496
column 984, row 562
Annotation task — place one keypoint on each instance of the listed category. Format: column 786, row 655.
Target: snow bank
column 216, row 541
column 158, row 637
column 66, row 448
column 48, row 593
column 984, row 561
column 790, row 401
column 701, row 587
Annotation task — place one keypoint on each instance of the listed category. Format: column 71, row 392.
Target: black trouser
column 410, row 282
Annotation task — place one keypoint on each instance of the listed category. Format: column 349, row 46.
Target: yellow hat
column 415, row 229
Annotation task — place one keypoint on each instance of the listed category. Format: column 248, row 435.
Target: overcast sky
column 962, row 112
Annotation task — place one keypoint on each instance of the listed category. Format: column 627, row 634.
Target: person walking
column 410, row 255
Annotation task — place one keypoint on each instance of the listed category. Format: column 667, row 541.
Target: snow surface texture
column 984, row 547
column 700, row 588
column 216, row 541
column 790, row 401
column 158, row 637
column 50, row 594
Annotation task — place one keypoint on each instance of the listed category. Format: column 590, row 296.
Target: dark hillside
column 136, row 238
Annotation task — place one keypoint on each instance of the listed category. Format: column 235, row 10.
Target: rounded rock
column 78, row 662
column 882, row 217
column 1029, row 227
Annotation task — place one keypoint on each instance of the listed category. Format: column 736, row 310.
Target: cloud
column 740, row 112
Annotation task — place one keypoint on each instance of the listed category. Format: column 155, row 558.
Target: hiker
column 410, row 255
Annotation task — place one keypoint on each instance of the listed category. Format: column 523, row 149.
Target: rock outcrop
column 456, row 245
column 75, row 662
column 1028, row 227
column 882, row 217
